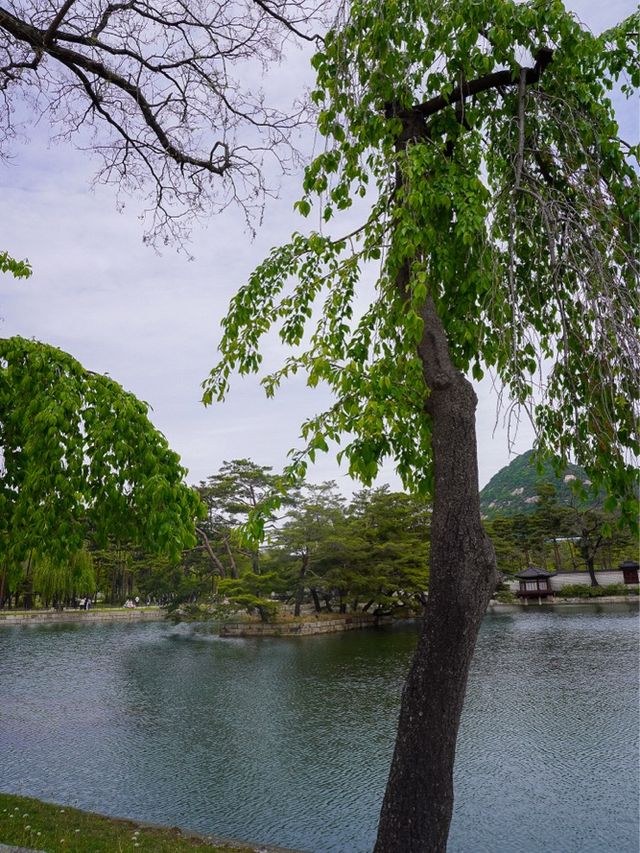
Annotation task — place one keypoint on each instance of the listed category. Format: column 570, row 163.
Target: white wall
column 605, row 578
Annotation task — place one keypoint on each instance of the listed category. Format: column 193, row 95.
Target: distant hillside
column 513, row 489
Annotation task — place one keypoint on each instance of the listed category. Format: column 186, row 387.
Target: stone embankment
column 303, row 627
column 631, row 601
column 132, row 614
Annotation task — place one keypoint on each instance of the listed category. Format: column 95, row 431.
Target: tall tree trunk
column 589, row 552
column 418, row 801
column 27, row 595
column 255, row 562
column 300, row 590
column 592, row 573
column 217, row 564
column 316, row 599
column 235, row 574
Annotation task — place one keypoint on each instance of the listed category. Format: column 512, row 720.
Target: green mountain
column 513, row 489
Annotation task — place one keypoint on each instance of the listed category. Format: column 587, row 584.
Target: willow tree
column 61, row 581
column 501, row 210
column 79, row 453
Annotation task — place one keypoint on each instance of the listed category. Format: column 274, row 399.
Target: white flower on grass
column 28, row 826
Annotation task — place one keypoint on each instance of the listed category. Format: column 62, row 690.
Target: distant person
column 137, row 600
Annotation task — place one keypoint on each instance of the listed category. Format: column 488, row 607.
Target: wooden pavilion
column 629, row 571
column 534, row 583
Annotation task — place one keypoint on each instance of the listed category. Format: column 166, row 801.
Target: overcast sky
column 152, row 322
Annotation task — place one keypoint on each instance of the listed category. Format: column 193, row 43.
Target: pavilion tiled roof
column 533, row 572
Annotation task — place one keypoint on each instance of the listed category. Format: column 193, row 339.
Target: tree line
column 367, row 553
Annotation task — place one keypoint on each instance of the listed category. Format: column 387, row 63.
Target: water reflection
column 289, row 740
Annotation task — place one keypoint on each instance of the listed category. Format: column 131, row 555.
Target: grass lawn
column 52, row 828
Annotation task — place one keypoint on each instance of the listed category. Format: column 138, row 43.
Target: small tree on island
column 502, row 216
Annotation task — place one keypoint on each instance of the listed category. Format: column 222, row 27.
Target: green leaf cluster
column 79, row 453
column 18, row 269
column 515, row 210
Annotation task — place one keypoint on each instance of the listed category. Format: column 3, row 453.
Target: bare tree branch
column 161, row 92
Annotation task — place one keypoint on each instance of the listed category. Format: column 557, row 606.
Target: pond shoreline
column 307, row 626
column 534, row 604
column 48, row 814
column 129, row 614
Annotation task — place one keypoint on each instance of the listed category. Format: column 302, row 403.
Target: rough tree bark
column 463, row 576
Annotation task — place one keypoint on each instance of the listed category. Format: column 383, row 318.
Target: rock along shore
column 303, row 627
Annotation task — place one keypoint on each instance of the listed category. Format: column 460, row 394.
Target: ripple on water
column 289, row 740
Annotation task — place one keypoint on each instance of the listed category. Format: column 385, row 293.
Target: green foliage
column 240, row 493
column 559, row 538
column 18, row 269
column 113, row 563
column 390, row 563
column 252, row 592
column 168, row 582
column 515, row 211
column 516, row 487
column 504, row 595
column 60, row 581
column 80, row 453
column 580, row 590
column 371, row 552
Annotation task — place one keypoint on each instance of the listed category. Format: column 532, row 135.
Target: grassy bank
column 56, row 829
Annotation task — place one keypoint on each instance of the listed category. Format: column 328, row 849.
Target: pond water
column 289, row 740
